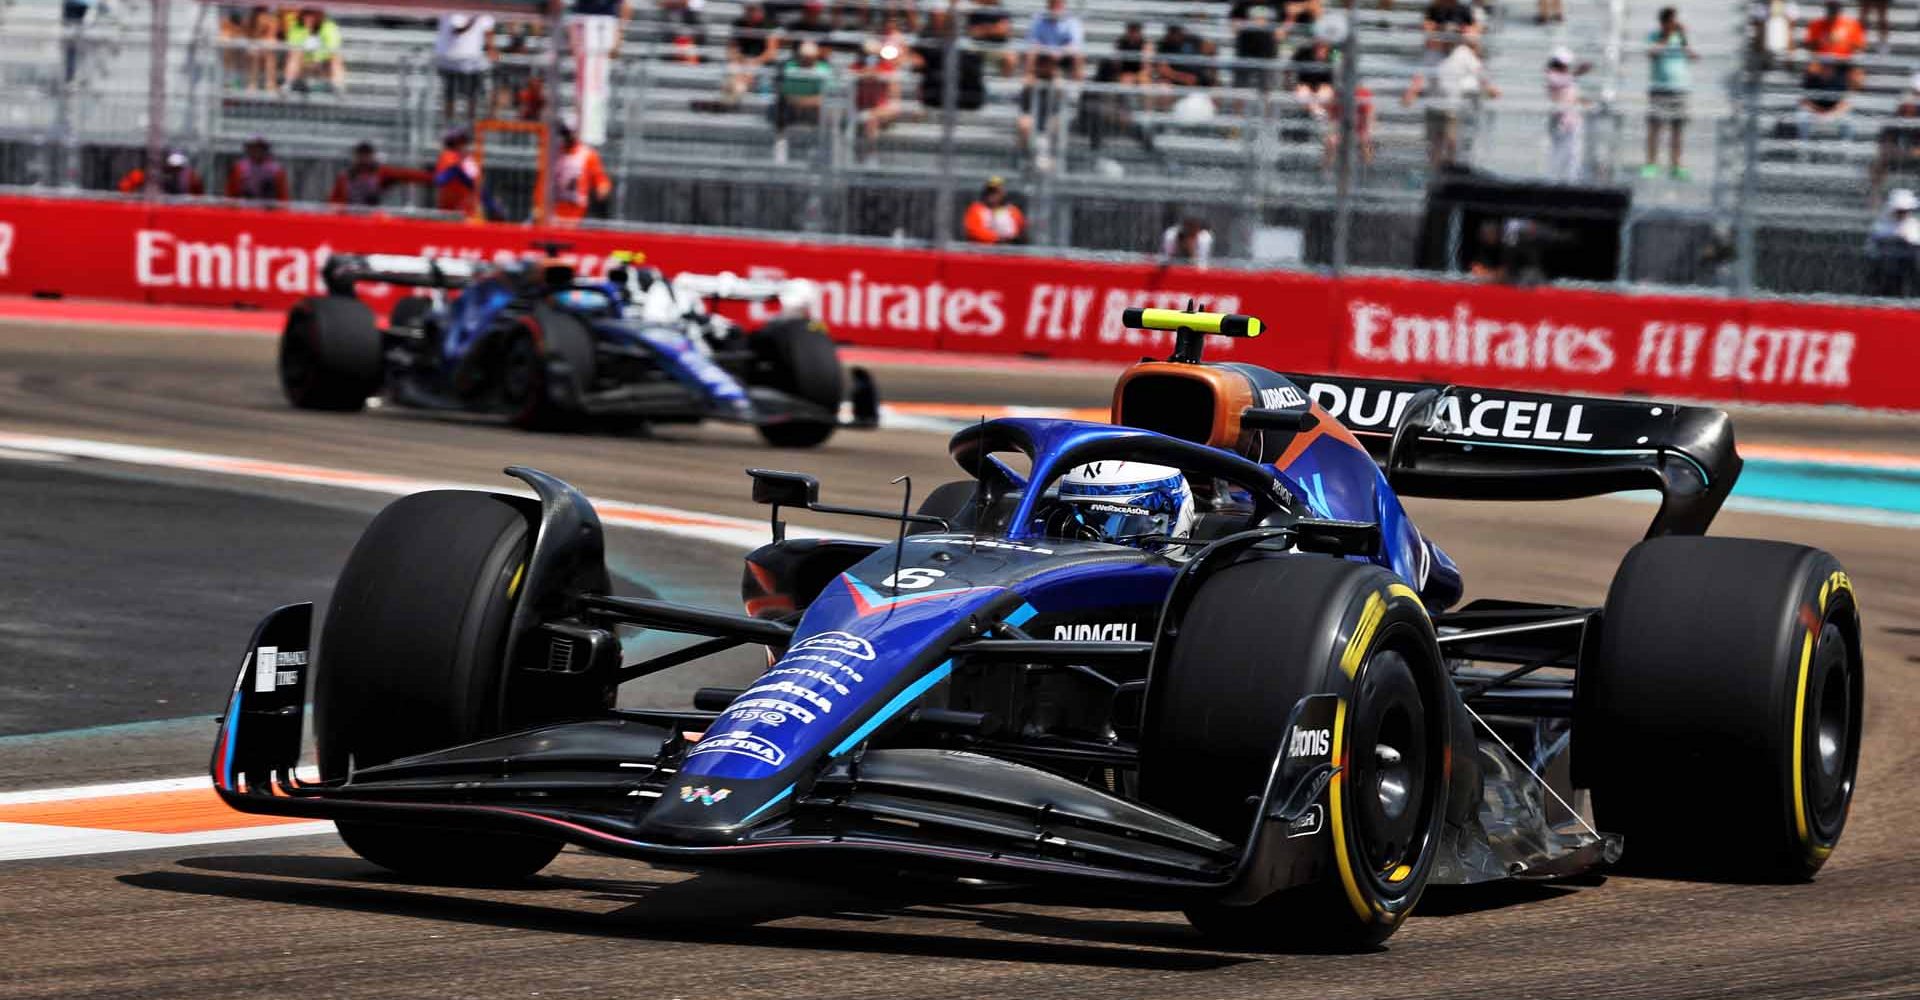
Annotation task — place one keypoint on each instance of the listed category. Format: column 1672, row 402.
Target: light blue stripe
column 1022, row 615
column 233, row 739
column 769, row 804
column 887, row 711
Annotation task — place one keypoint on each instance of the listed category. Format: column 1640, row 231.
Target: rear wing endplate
column 1472, row 443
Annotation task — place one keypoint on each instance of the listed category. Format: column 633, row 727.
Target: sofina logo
column 843, row 643
column 703, row 795
column 743, row 743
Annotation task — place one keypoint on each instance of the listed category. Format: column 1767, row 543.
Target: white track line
column 30, row 841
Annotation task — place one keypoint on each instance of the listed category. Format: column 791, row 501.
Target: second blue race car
column 532, row 340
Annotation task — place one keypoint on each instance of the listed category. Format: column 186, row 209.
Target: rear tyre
column 798, row 359
column 413, row 659
column 330, row 354
column 1257, row 638
column 1718, row 725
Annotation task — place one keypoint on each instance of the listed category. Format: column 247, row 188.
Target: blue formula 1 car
column 532, row 340
column 1198, row 659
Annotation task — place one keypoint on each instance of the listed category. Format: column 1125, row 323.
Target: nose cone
column 706, row 811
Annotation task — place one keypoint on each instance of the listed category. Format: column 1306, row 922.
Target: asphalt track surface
column 128, row 592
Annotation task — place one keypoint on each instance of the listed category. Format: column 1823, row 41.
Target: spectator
column 681, row 35
column 1447, row 23
column 1566, row 117
column 1183, row 58
column 1893, row 247
column 1874, row 13
column 456, row 176
column 73, row 21
column 1771, row 23
column 1256, row 44
column 1669, row 81
column 1056, row 33
column 1107, row 109
column 799, row 92
column 1457, row 84
column 234, row 25
column 1134, row 50
column 513, row 74
column 994, row 219
column 580, row 180
column 463, row 52
column 313, row 49
column 1189, row 242
column 930, row 60
column 1835, row 36
column 177, row 177
column 1363, row 115
column 366, row 179
column 1039, row 102
column 257, row 176
column 1824, row 103
column 876, row 91
column 989, row 25
column 595, row 29
column 1549, row 12
column 1313, row 76
column 753, row 43
column 812, row 24
column 1899, row 152
column 263, row 30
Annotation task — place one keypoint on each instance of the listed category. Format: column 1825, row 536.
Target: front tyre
column 413, row 659
column 1718, row 724
column 1257, row 638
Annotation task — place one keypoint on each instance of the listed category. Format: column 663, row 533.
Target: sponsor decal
column 841, row 643
column 1108, row 632
column 792, row 658
column 1307, row 823
column 853, row 299
column 1118, row 508
column 764, row 716
column 6, row 249
column 163, row 260
column 741, row 742
column 980, row 543
column 1309, row 742
column 805, row 694
column 266, row 661
column 292, row 658
column 704, row 795
column 1281, row 397
column 785, row 708
column 811, row 674
column 1477, row 416
column 1379, row 334
column 286, row 678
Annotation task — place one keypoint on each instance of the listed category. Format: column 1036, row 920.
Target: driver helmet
column 1122, row 501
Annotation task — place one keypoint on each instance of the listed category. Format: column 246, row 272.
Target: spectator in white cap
column 1566, row 118
column 1899, row 152
column 1893, row 246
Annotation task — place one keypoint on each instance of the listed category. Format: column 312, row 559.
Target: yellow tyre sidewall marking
column 1371, row 615
column 1831, row 587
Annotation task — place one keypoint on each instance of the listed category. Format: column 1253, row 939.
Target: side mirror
column 784, row 489
column 1291, row 421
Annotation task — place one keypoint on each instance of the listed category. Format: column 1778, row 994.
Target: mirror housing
column 784, row 489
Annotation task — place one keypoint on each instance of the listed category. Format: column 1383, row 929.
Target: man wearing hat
column 579, row 178
column 994, row 219
column 257, row 176
column 366, row 179
column 176, row 177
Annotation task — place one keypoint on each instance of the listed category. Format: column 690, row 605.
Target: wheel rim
column 1390, row 779
column 1832, row 742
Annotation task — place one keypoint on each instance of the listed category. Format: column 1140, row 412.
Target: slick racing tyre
column 524, row 378
column 330, row 354
column 1718, row 725
column 801, row 361
column 1257, row 638
column 412, row 658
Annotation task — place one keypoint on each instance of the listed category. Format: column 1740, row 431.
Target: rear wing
column 344, row 270
column 1468, row 443
column 728, row 287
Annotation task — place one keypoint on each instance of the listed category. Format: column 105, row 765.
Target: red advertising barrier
column 1600, row 342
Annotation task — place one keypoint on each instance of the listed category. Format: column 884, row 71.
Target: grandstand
column 685, row 152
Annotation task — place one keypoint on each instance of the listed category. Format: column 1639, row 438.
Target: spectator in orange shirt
column 994, row 219
column 176, row 177
column 257, row 176
column 456, row 176
column 579, row 178
column 366, row 179
column 1836, row 36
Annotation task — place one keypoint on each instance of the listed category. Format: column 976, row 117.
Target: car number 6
column 913, row 578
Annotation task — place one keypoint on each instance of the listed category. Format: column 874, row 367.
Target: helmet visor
column 1114, row 518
